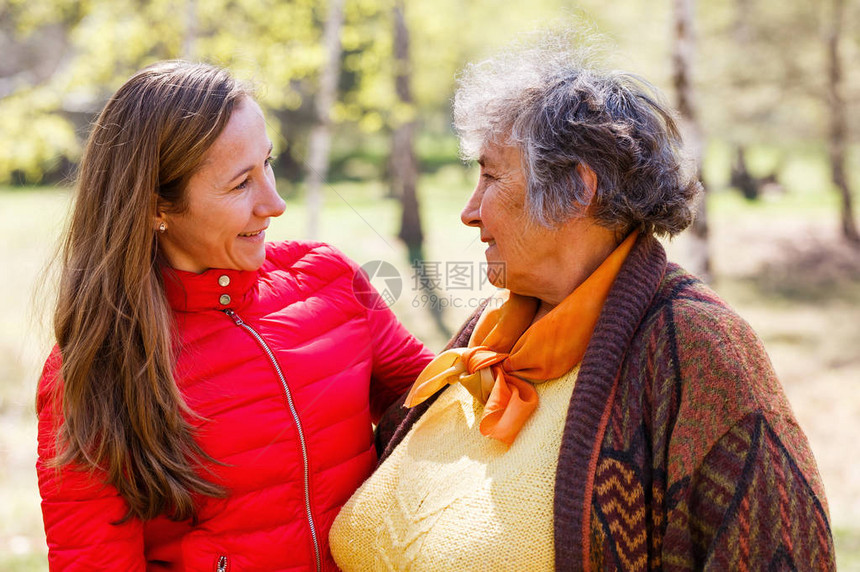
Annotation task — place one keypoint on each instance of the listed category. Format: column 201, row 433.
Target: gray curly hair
column 560, row 112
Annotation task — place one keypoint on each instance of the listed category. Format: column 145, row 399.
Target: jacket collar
column 214, row 289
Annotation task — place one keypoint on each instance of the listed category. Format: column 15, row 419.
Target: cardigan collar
column 214, row 289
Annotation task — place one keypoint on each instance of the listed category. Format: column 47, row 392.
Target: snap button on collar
column 224, row 280
column 224, row 299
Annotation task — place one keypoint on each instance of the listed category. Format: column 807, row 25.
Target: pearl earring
column 162, row 227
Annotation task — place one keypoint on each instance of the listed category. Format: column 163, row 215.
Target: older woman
column 607, row 410
column 210, row 399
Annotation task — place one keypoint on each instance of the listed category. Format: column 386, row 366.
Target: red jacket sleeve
column 78, row 509
column 398, row 357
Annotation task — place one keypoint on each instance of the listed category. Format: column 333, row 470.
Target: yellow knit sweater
column 449, row 498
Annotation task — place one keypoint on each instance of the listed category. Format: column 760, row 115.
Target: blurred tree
column 320, row 138
column 741, row 78
column 404, row 164
column 763, row 73
column 758, row 65
column 34, row 41
column 750, row 68
column 682, row 64
column 276, row 44
column 838, row 120
column 190, row 37
column 770, row 86
column 100, row 43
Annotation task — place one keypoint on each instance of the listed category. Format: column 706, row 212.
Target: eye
column 242, row 185
column 271, row 160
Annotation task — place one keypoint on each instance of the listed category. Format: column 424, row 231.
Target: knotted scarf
column 507, row 353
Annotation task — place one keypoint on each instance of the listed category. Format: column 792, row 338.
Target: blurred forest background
column 357, row 95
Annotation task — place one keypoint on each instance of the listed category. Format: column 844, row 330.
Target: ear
column 589, row 179
column 161, row 216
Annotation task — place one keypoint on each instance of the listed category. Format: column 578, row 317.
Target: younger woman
column 208, row 404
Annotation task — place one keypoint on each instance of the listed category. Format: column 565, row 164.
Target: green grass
column 30, row 223
column 806, row 336
column 847, row 541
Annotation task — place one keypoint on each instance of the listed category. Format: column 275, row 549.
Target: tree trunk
column 839, row 123
column 404, row 176
column 320, row 137
column 741, row 26
column 189, row 39
column 404, row 164
column 682, row 64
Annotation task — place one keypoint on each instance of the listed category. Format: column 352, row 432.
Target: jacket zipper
column 222, row 564
column 241, row 323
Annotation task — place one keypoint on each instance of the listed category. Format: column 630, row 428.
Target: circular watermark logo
column 377, row 285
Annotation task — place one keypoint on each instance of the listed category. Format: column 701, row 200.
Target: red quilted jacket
column 286, row 370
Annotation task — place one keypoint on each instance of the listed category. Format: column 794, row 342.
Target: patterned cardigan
column 680, row 450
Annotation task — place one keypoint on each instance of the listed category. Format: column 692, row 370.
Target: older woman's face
column 521, row 253
column 547, row 263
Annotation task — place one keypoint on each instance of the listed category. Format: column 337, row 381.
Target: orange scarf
column 507, row 354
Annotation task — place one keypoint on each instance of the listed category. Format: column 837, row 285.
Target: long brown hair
column 122, row 411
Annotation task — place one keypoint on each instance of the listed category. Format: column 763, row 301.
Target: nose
column 270, row 203
column 471, row 213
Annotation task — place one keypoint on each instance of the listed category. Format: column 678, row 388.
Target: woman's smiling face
column 524, row 256
column 229, row 201
column 519, row 250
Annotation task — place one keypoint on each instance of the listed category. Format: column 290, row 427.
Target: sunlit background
column 357, row 95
